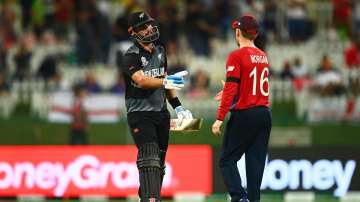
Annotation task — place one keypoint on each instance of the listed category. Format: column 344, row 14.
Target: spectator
column 356, row 18
column 26, row 16
column 252, row 7
column 297, row 20
column 86, row 36
column 299, row 70
column 7, row 24
column 48, row 54
column 119, row 29
column 6, row 102
column 38, row 10
column 91, row 84
column 286, row 72
column 223, row 11
column 199, row 28
column 342, row 16
column 78, row 132
column 63, row 16
column 177, row 66
column 200, row 83
column 328, row 81
column 4, row 86
column 20, row 58
column 119, row 86
column 2, row 58
column 169, row 26
column 352, row 60
column 94, row 33
column 352, row 53
column 102, row 29
column 301, row 77
column 269, row 19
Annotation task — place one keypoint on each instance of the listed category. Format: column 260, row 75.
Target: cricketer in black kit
column 147, row 88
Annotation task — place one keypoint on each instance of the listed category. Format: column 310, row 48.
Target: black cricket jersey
column 153, row 64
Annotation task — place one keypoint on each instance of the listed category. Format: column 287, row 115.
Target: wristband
column 175, row 102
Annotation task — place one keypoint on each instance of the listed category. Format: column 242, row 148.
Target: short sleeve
column 130, row 64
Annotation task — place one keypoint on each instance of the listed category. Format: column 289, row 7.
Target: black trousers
column 247, row 132
column 148, row 127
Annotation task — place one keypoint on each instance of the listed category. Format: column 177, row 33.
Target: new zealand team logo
column 144, row 62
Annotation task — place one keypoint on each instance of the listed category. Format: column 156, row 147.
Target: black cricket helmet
column 139, row 21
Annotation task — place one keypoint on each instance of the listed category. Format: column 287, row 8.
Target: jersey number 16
column 263, row 79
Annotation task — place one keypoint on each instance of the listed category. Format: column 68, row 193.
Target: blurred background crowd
column 60, row 61
column 50, row 45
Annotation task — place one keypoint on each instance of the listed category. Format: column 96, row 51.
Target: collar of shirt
column 142, row 49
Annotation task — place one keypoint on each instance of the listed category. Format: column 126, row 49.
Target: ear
column 131, row 31
column 237, row 33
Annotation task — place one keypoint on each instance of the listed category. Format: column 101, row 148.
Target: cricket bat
column 187, row 125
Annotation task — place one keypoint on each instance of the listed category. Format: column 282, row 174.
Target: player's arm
column 172, row 98
column 131, row 66
column 170, row 94
column 175, row 81
column 228, row 94
column 230, row 87
column 146, row 81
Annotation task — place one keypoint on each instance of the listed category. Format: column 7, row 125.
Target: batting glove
column 175, row 81
column 182, row 114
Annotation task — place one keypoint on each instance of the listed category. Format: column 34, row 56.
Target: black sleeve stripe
column 232, row 79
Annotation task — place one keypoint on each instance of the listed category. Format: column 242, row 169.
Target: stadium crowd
column 38, row 38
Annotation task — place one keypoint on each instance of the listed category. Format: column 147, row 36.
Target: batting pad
column 187, row 125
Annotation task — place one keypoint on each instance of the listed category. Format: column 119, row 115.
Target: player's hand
column 216, row 127
column 182, row 114
column 218, row 96
column 175, row 81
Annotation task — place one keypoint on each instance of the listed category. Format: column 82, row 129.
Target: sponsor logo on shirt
column 230, row 68
column 144, row 62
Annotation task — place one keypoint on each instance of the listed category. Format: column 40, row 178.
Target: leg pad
column 148, row 163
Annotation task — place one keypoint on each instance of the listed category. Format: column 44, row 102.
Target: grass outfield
column 26, row 131
column 22, row 129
